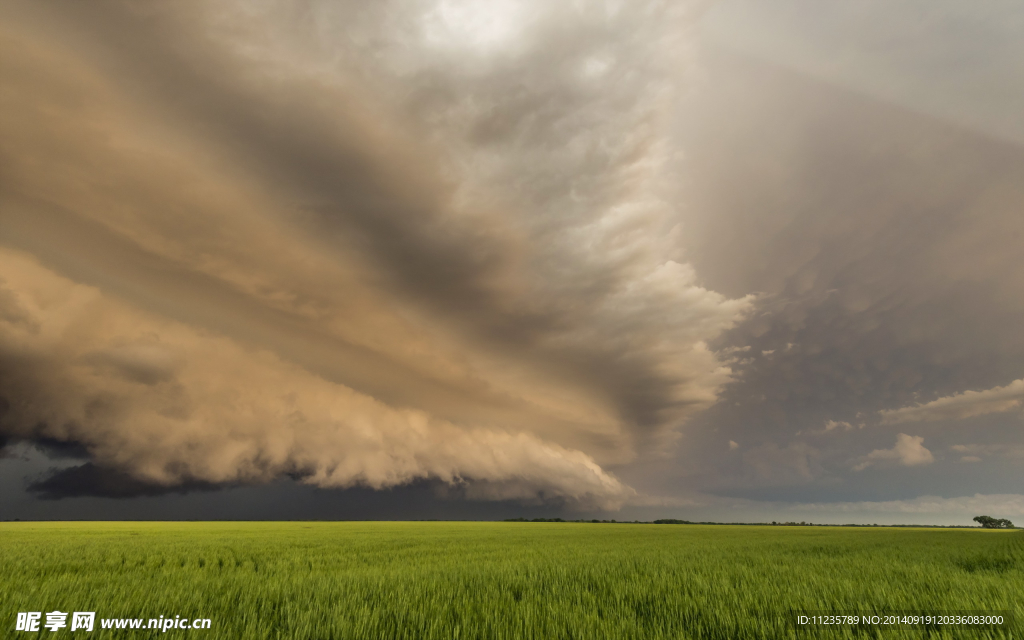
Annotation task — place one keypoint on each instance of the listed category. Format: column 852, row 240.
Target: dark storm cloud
column 89, row 480
column 238, row 252
column 60, row 449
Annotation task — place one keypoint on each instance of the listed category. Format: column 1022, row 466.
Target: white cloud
column 836, row 426
column 832, row 425
column 978, row 451
column 961, row 405
column 481, row 27
column 909, row 452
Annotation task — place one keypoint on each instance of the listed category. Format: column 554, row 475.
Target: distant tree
column 988, row 522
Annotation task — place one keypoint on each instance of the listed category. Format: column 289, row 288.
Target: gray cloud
column 884, row 244
column 978, row 452
column 961, row 405
column 91, row 480
column 940, row 57
column 883, row 241
column 794, row 463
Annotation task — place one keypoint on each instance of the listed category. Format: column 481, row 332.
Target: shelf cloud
column 358, row 245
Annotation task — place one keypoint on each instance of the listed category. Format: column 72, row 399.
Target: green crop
column 445, row 580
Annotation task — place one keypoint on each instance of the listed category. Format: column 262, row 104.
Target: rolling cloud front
column 459, row 259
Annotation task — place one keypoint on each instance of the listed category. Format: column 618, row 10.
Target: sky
column 456, row 259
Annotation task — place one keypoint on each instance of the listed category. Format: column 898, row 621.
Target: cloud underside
column 335, row 245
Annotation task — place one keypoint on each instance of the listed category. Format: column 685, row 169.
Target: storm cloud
column 359, row 245
column 587, row 255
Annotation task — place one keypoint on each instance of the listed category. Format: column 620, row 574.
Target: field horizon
column 666, row 521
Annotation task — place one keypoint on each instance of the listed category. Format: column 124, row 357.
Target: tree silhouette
column 988, row 522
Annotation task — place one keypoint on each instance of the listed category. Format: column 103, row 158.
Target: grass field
column 502, row 580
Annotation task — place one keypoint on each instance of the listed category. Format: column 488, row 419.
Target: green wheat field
column 448, row 580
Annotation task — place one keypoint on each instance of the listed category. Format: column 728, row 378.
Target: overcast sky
column 481, row 259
